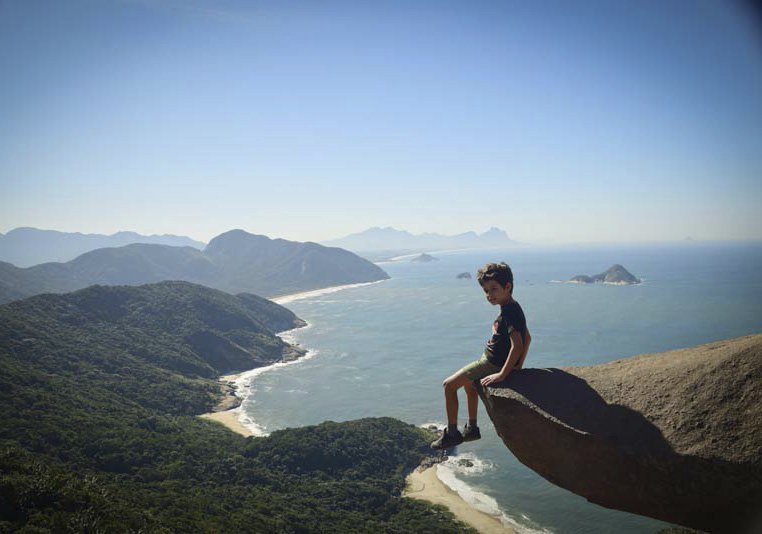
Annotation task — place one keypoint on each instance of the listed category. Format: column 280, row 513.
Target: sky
column 559, row 122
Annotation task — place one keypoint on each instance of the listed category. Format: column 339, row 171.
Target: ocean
column 383, row 349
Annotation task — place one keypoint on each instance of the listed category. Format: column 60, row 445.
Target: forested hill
column 235, row 261
column 99, row 392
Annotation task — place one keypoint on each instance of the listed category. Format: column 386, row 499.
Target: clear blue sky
column 557, row 121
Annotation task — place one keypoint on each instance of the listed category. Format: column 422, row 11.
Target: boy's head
column 497, row 281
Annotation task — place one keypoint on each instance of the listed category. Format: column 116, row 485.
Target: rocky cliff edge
column 676, row 436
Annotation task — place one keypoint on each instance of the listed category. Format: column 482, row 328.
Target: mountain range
column 234, row 261
column 24, row 247
column 391, row 239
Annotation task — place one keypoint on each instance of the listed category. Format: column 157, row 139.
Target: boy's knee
column 450, row 385
column 455, row 382
column 447, row 385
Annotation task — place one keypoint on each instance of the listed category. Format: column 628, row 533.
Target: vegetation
column 99, row 392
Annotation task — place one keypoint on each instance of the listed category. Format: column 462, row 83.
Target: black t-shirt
column 499, row 345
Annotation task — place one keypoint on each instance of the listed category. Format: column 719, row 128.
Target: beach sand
column 229, row 419
column 425, row 485
column 228, row 409
column 285, row 299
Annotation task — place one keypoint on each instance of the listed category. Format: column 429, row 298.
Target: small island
column 424, row 258
column 614, row 275
column 464, row 276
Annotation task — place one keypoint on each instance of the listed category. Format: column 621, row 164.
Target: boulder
column 676, row 436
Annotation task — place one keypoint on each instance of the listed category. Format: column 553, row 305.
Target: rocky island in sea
column 424, row 258
column 616, row 275
column 464, row 276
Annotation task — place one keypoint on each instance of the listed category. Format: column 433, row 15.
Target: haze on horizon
column 558, row 122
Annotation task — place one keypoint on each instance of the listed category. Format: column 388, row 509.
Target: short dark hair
column 499, row 272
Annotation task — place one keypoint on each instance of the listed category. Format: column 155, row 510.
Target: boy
column 505, row 351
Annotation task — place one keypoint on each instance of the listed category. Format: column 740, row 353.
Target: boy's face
column 497, row 294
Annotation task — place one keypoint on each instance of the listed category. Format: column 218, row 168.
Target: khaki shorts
column 480, row 368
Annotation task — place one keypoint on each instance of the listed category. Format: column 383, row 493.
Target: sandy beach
column 285, row 299
column 228, row 409
column 228, row 418
column 425, row 485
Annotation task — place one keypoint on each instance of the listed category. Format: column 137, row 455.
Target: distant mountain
column 269, row 267
column 25, row 247
column 234, row 262
column 388, row 239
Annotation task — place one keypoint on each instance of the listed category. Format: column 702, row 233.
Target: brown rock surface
column 676, row 436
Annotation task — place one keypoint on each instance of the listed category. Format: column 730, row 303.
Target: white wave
column 438, row 424
column 289, row 336
column 469, row 463
column 285, row 299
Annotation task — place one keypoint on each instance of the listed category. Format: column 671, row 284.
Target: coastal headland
column 423, row 483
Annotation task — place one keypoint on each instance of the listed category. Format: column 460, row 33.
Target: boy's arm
column 517, row 351
column 526, row 350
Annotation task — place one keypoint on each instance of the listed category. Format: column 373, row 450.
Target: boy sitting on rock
column 505, row 351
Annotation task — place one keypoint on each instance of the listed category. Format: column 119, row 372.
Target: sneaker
column 471, row 433
column 447, row 440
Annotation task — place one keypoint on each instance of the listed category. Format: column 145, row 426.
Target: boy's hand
column 487, row 380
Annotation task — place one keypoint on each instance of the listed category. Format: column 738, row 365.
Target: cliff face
column 676, row 436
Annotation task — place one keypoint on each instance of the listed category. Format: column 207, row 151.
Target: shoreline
column 425, row 485
column 290, row 297
column 229, row 419
column 228, row 412
column 422, row 484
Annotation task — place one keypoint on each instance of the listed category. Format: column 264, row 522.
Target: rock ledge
column 676, row 436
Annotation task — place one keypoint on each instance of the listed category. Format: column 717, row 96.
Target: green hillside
column 99, row 392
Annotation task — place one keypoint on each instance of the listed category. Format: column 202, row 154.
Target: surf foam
column 245, row 386
column 470, row 464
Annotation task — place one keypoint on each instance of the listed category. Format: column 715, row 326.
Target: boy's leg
column 473, row 400
column 451, row 386
column 451, row 436
column 471, row 430
column 462, row 379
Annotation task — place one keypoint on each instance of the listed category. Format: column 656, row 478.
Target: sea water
column 384, row 349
